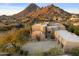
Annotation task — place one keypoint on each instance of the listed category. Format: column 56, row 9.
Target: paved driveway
column 42, row 45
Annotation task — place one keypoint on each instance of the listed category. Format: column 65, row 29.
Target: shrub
column 54, row 52
column 73, row 29
column 20, row 36
column 17, row 38
column 74, row 51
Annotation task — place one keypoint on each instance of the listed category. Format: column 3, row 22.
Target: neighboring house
column 74, row 18
column 47, row 29
column 76, row 24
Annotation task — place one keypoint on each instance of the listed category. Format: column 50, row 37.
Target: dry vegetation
column 15, row 39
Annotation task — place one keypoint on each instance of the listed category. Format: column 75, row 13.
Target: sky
column 13, row 8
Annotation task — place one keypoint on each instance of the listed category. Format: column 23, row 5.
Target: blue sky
column 13, row 8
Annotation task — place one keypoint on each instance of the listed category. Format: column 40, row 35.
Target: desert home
column 46, row 29
column 67, row 39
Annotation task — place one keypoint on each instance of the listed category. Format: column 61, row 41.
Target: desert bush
column 17, row 38
column 74, row 52
column 72, row 29
column 21, row 34
column 54, row 52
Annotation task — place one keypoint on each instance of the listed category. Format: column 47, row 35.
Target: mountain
column 27, row 10
column 50, row 11
column 32, row 7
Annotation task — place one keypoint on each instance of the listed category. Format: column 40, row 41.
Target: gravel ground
column 42, row 45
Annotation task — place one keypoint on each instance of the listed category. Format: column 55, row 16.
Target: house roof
column 68, row 35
